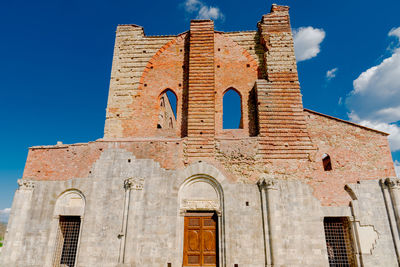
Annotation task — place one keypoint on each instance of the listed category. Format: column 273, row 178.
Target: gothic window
column 232, row 110
column 326, row 161
column 167, row 113
column 339, row 242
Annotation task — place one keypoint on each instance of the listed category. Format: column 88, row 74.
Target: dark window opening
column 326, row 161
column 67, row 241
column 232, row 110
column 339, row 243
column 167, row 114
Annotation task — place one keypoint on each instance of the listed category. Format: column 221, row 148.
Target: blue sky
column 55, row 63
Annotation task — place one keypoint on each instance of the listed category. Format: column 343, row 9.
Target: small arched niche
column 326, row 162
column 232, row 115
column 168, row 104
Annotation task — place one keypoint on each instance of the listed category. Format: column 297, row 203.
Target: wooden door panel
column 209, row 240
column 194, row 241
column 200, row 241
column 210, row 260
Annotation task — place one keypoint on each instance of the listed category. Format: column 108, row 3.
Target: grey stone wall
column 280, row 222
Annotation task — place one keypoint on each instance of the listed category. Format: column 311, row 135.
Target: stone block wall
column 294, row 235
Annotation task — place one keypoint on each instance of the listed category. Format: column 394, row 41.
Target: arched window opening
column 232, row 110
column 167, row 114
column 326, row 162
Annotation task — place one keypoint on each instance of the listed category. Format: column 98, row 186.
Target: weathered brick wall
column 132, row 52
column 235, row 68
column 201, row 95
column 64, row 162
column 357, row 154
column 283, row 131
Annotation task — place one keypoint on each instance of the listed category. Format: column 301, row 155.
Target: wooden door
column 200, row 240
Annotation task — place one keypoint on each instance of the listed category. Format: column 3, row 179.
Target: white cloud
column 397, row 168
column 203, row 11
column 375, row 98
column 192, row 5
column 4, row 214
column 210, row 13
column 395, row 32
column 307, row 42
column 330, row 74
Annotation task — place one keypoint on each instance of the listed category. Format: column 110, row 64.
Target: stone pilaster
column 394, row 188
column 269, row 196
column 129, row 185
column 392, row 206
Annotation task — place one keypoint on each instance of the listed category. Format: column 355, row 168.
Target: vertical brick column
column 201, row 92
column 282, row 125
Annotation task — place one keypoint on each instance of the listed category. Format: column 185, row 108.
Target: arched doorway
column 201, row 199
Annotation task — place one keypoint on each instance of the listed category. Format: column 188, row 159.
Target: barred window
column 339, row 242
column 67, row 241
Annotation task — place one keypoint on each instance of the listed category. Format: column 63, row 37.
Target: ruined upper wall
column 144, row 67
column 199, row 66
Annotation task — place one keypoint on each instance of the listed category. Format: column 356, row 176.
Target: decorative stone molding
column 268, row 183
column 25, row 184
column 134, row 183
column 190, row 204
column 392, row 183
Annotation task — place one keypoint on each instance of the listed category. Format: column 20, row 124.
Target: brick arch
column 163, row 71
column 232, row 88
column 251, row 60
column 166, row 69
column 235, row 68
column 165, row 90
column 154, row 61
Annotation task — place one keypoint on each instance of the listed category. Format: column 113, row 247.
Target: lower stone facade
column 132, row 213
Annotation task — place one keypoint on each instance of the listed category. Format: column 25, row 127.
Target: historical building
column 289, row 187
